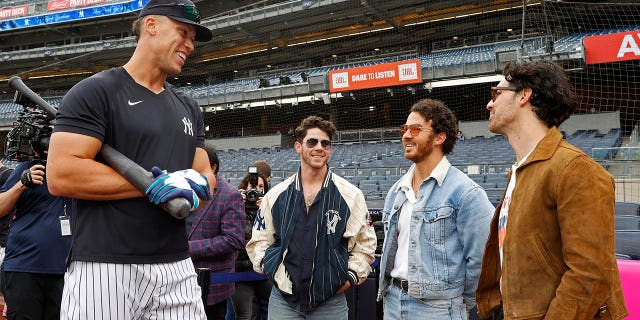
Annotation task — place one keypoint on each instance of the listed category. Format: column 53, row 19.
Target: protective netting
column 273, row 63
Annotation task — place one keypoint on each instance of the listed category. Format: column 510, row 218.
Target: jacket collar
column 546, row 147
column 438, row 173
column 325, row 183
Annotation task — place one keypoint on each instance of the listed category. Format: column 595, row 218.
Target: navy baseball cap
column 179, row 10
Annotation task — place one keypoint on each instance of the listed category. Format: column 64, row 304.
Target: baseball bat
column 134, row 173
column 141, row 179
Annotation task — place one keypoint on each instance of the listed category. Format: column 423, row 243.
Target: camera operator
column 38, row 242
column 5, row 221
column 252, row 187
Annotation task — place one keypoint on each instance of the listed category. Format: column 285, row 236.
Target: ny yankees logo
column 332, row 221
column 188, row 126
column 259, row 223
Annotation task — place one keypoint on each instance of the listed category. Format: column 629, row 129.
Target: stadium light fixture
column 232, row 55
column 337, row 37
column 464, row 81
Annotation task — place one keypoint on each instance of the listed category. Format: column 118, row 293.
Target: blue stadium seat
column 628, row 243
column 627, row 208
column 627, row 222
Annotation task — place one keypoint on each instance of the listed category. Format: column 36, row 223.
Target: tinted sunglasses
column 190, row 11
column 494, row 91
column 414, row 129
column 312, row 142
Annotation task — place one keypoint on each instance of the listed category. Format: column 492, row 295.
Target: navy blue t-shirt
column 35, row 242
column 6, row 220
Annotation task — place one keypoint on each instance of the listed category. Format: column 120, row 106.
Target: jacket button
column 602, row 311
column 395, row 207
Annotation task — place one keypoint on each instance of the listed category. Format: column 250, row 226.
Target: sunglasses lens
column 414, row 131
column 311, row 142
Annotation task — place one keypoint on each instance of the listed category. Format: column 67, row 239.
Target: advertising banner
column 66, row 4
column 379, row 75
column 613, row 47
column 6, row 13
column 72, row 15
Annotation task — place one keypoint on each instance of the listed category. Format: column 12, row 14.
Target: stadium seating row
column 385, row 157
column 439, row 59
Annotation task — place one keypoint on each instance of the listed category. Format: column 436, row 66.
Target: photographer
column 38, row 242
column 252, row 187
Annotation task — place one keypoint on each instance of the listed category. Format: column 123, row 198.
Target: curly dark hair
column 311, row 122
column 553, row 96
column 442, row 120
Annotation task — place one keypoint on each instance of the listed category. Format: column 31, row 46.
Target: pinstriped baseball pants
column 106, row 291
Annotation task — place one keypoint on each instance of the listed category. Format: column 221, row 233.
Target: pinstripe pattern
column 94, row 290
column 362, row 239
column 274, row 229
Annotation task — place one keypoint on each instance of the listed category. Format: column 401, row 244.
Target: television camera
column 29, row 138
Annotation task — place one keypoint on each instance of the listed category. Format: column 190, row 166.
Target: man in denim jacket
column 436, row 222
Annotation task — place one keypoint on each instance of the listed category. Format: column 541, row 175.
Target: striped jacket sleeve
column 262, row 233
column 362, row 238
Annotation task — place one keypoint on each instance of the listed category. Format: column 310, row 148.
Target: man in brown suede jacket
column 551, row 248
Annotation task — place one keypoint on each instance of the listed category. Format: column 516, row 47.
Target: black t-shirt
column 6, row 220
column 151, row 129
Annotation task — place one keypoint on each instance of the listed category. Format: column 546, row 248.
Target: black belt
column 402, row 284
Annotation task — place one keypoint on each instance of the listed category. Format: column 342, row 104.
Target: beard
column 420, row 151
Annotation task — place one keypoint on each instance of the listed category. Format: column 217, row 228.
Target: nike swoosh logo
column 133, row 103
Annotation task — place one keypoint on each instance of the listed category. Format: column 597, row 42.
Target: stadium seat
column 627, row 208
column 628, row 243
column 627, row 222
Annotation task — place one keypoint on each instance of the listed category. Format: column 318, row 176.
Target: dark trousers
column 33, row 296
column 216, row 311
column 244, row 295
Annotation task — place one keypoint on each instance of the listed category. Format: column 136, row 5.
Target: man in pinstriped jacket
column 311, row 236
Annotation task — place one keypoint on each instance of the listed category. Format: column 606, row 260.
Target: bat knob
column 179, row 208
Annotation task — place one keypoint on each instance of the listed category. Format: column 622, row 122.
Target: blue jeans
column 398, row 305
column 335, row 309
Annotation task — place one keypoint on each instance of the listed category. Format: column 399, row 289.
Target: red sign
column 65, row 4
column 612, row 47
column 379, row 75
column 14, row 12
